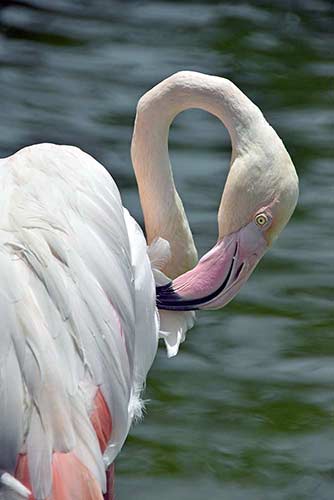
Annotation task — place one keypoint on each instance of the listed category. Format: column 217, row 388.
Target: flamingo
column 84, row 296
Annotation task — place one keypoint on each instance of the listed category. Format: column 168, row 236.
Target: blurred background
column 245, row 412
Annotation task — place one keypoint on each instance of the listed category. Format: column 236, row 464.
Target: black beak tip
column 168, row 299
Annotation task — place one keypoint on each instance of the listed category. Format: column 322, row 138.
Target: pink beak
column 219, row 274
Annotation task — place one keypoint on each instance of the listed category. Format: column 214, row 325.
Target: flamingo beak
column 219, row 274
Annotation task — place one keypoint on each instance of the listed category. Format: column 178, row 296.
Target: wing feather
column 77, row 304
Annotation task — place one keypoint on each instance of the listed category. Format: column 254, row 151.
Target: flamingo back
column 77, row 297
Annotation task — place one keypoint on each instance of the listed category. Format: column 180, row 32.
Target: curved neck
column 162, row 207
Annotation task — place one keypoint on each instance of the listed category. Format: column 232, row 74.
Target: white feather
column 147, row 320
column 77, row 299
column 173, row 328
column 159, row 253
column 173, row 324
column 17, row 490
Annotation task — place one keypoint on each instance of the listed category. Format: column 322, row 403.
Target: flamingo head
column 258, row 200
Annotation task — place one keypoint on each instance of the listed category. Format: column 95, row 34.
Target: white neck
column 162, row 207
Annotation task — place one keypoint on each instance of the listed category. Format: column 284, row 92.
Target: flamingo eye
column 261, row 219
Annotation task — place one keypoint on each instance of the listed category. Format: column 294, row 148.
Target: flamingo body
column 74, row 272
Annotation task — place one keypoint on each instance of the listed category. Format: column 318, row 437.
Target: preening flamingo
column 79, row 284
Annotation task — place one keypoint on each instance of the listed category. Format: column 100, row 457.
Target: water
column 246, row 410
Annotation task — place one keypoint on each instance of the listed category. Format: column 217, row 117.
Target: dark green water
column 246, row 411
